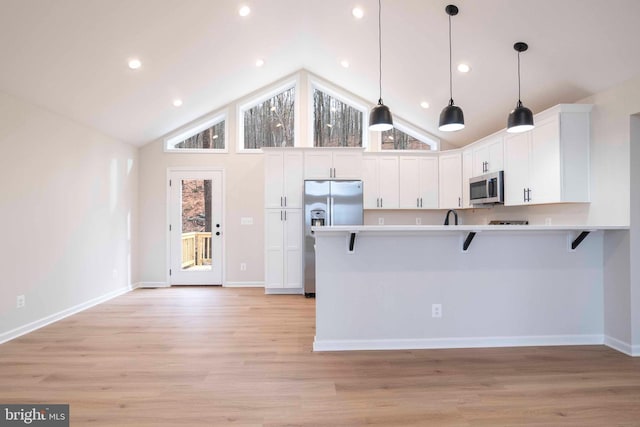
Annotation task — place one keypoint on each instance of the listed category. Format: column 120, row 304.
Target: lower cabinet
column 284, row 250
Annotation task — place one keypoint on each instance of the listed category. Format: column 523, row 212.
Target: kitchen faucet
column 455, row 217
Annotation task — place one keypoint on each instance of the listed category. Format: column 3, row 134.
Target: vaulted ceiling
column 70, row 56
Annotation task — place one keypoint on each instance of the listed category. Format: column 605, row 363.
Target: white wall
column 634, row 234
column 68, row 211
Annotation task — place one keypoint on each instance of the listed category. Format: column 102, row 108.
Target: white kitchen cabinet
column 284, row 250
column 340, row 163
column 380, row 176
column 550, row 164
column 450, row 181
column 283, row 177
column 418, row 182
column 467, row 172
column 488, row 155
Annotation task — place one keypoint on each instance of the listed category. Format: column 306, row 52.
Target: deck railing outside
column 196, row 249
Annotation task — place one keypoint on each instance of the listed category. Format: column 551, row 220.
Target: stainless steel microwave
column 487, row 188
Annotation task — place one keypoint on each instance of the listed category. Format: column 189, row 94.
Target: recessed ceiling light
column 464, row 68
column 357, row 12
column 244, row 11
column 135, row 63
column 177, row 102
column 424, row 104
column 344, row 63
column 259, row 62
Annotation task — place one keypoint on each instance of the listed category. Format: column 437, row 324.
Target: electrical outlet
column 436, row 310
column 21, row 301
column 243, row 266
column 418, row 221
column 380, row 221
column 246, row 220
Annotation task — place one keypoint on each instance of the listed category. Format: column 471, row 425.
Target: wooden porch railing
column 196, row 249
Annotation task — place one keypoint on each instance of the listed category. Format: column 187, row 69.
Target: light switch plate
column 246, row 220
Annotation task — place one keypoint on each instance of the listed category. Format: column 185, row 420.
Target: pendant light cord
column 380, row 49
column 519, row 102
column 450, row 67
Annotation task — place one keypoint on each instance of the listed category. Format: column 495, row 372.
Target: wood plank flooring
column 221, row 356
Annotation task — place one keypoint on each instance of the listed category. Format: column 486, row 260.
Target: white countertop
column 464, row 228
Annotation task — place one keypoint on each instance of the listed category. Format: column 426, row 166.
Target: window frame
column 194, row 129
column 263, row 96
column 418, row 134
column 339, row 94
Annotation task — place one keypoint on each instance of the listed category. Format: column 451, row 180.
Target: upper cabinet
column 550, row 164
column 419, row 182
column 342, row 163
column 380, row 176
column 488, row 155
column 467, row 172
column 450, row 179
column 283, row 169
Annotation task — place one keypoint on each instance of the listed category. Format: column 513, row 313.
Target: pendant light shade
column 380, row 117
column 521, row 118
column 451, row 117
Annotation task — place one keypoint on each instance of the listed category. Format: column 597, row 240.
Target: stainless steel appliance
column 327, row 203
column 487, row 188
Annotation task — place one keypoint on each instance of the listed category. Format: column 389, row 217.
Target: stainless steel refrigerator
column 327, row 203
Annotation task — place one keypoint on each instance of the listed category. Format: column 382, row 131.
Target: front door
column 195, row 227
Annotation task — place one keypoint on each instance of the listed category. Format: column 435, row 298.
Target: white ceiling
column 70, row 56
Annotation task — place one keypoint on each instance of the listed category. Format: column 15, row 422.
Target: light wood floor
column 219, row 356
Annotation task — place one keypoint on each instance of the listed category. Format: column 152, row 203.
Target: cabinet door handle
column 528, row 194
column 380, row 201
column 280, row 215
column 280, row 201
column 459, row 202
column 285, row 201
column 417, row 202
column 421, row 202
column 377, row 202
column 285, row 215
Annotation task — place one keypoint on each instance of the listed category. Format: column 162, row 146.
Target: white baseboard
column 30, row 327
column 244, row 285
column 152, row 285
column 283, row 291
column 621, row 346
column 435, row 343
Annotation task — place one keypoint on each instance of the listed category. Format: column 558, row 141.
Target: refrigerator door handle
column 331, row 211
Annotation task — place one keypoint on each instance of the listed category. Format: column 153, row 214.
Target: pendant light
column 521, row 118
column 380, row 117
column 451, row 117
